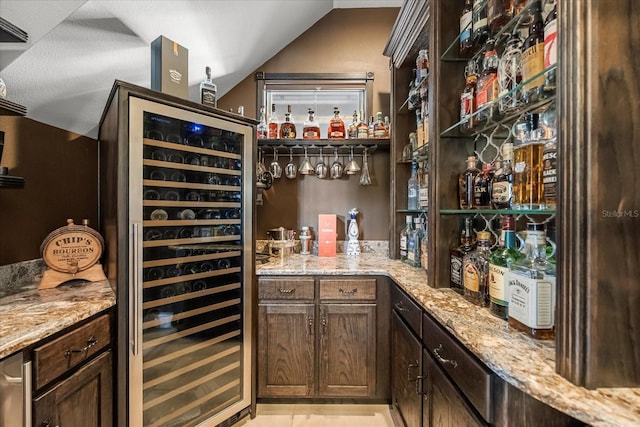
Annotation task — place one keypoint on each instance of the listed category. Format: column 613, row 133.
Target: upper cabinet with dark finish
column 597, row 213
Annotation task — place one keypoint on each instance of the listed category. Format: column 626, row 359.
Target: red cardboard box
column 327, row 234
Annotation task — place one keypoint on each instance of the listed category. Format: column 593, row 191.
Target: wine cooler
column 176, row 197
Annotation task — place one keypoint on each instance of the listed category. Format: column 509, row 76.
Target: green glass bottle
column 499, row 262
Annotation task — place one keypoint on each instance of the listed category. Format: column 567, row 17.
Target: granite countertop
column 521, row 361
column 30, row 315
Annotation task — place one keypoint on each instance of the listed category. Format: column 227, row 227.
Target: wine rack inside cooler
column 192, row 258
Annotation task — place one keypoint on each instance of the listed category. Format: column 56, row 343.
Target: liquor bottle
column 468, row 99
column 413, row 100
column 533, row 57
column 387, row 127
column 465, row 183
column 413, row 188
column 457, row 253
column 311, row 128
column 423, row 182
column 551, row 47
column 288, row 128
column 482, row 187
column 273, row 123
column 499, row 12
column 510, row 75
column 466, row 39
column 480, row 24
column 550, row 172
column 363, row 128
column 424, row 248
column 532, row 287
column 379, row 129
column 336, row 126
column 404, row 237
column 208, row 90
column 422, row 65
column 353, row 127
column 499, row 262
column 475, row 271
column 502, row 184
column 414, row 243
column 488, row 86
column 528, row 189
column 370, row 128
column 262, row 128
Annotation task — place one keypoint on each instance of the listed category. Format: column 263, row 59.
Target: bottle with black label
column 457, row 253
column 480, row 24
column 208, row 90
column 550, row 172
column 466, row 30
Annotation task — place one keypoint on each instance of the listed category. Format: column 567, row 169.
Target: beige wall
column 60, row 170
column 345, row 40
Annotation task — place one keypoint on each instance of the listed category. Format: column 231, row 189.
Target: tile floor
column 320, row 415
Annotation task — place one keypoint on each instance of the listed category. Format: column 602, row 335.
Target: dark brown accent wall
column 60, row 170
column 344, row 40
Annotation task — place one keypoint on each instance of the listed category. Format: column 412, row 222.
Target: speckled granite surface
column 523, row 362
column 27, row 315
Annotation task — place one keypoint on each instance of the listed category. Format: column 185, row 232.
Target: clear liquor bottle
column 336, row 126
column 310, row 127
column 208, row 90
column 475, row 271
column 273, row 123
column 353, row 126
column 404, row 237
column 414, row 244
column 532, row 287
column 370, row 128
column 288, row 128
column 510, row 75
column 413, row 188
column 499, row 262
column 457, row 253
column 262, row 127
column 465, row 184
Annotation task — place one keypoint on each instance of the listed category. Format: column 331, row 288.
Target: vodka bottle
column 413, row 188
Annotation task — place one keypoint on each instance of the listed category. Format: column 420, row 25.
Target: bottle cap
column 483, row 235
column 533, row 226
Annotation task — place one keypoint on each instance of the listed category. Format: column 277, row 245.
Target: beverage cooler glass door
column 191, row 266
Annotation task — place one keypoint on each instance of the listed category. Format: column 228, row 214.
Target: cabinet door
column 447, row 407
column 286, row 350
column 347, row 350
column 405, row 367
column 84, row 399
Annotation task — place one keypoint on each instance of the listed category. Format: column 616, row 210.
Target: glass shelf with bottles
column 515, row 20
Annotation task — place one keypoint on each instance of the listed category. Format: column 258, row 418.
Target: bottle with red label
column 273, row 123
column 551, row 47
column 468, row 99
column 336, row 126
column 488, row 86
column 311, row 128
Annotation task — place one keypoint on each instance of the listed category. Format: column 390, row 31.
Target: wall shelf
column 328, row 146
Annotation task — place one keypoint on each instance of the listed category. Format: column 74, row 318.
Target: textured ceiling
column 76, row 49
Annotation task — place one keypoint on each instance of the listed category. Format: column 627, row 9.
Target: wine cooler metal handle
column 436, row 353
column 136, row 304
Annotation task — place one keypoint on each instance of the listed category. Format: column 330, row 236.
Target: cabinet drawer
column 470, row 375
column 348, row 289
column 68, row 351
column 406, row 308
column 298, row 288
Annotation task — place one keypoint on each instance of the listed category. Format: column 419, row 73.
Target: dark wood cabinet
column 83, row 399
column 73, row 376
column 406, row 373
column 321, row 338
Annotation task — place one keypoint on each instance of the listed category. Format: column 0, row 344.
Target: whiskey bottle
column 336, row 126
column 466, row 39
column 528, row 190
column 475, row 271
column 413, row 100
column 533, row 57
column 532, row 287
column 468, row 99
column 499, row 262
column 550, row 173
column 404, row 237
column 353, row 127
column 457, row 253
column 370, row 128
column 208, row 90
column 499, row 12
column 273, row 123
column 288, row 128
column 379, row 128
column 480, row 24
column 363, row 128
column 482, row 187
column 310, row 128
column 465, row 184
column 487, row 86
column 262, row 127
column 502, row 184
column 551, row 47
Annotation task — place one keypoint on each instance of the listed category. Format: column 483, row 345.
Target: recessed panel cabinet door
column 286, row 350
column 405, row 367
column 84, row 399
column 347, row 349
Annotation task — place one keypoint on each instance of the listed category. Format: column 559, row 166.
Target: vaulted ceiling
column 77, row 48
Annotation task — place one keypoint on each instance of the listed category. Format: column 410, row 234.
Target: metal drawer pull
column 286, row 291
column 442, row 359
column 90, row 343
column 351, row 292
column 47, row 423
column 400, row 307
column 420, row 377
column 309, row 326
column 409, row 368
